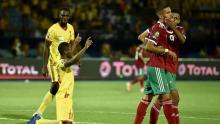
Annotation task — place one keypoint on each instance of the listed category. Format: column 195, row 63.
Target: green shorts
column 157, row 82
column 171, row 80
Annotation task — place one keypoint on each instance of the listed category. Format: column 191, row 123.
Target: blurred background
column 113, row 24
column 100, row 95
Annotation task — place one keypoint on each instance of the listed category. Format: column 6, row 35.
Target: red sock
column 142, row 82
column 168, row 111
column 134, row 81
column 141, row 111
column 176, row 112
column 154, row 113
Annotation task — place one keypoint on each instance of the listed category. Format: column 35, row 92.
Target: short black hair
column 175, row 11
column 62, row 47
column 65, row 9
column 161, row 7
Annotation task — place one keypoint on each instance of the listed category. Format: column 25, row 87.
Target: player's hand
column 88, row 42
column 170, row 23
column 45, row 71
column 78, row 39
column 172, row 55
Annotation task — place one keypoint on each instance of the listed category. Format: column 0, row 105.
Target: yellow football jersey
column 56, row 34
column 64, row 96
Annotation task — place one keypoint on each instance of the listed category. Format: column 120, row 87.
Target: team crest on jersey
column 156, row 35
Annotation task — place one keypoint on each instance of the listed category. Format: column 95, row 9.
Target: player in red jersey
column 176, row 37
column 141, row 57
column 157, row 83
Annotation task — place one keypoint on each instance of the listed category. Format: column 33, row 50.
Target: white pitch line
column 130, row 113
column 13, row 119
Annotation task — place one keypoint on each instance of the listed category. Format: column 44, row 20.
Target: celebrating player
column 157, row 83
column 176, row 37
column 141, row 57
column 57, row 33
column 64, row 102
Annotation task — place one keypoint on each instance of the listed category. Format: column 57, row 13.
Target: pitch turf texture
column 107, row 102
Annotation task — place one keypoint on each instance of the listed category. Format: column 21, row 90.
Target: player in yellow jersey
column 59, row 32
column 64, row 102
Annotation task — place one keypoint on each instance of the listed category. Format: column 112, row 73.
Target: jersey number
column 171, row 37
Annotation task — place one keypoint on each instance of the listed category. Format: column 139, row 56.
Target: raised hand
column 78, row 39
column 88, row 42
column 170, row 23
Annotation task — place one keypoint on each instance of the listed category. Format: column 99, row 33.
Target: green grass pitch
column 107, row 102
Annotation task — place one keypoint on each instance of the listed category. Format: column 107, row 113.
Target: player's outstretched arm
column 74, row 59
column 143, row 35
column 45, row 57
column 75, row 43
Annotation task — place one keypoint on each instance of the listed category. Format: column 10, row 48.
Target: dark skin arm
column 45, row 57
column 74, row 43
column 76, row 57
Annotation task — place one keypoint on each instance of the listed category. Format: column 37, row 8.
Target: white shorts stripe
column 158, row 79
column 161, row 80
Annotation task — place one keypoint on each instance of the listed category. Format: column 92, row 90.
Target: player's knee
column 54, row 88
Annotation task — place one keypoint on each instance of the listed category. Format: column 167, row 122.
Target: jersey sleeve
column 154, row 34
column 50, row 36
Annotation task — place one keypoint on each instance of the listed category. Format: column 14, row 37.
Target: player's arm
column 150, row 46
column 178, row 34
column 74, row 43
column 76, row 57
column 143, row 35
column 46, row 56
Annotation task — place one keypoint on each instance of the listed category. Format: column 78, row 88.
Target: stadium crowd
column 113, row 24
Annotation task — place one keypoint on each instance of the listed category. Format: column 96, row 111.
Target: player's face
column 64, row 16
column 176, row 18
column 166, row 13
column 68, row 52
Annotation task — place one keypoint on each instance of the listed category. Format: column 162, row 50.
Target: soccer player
column 176, row 37
column 141, row 57
column 64, row 102
column 157, row 83
column 59, row 32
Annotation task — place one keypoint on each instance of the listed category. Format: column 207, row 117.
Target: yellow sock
column 47, row 99
column 45, row 121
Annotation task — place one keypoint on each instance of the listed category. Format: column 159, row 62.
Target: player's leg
column 174, row 95
column 155, row 111
column 162, row 88
column 138, row 78
column 49, row 95
column 144, row 103
column 175, row 99
column 64, row 102
column 53, row 90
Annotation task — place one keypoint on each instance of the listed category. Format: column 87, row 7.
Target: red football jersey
column 174, row 45
column 139, row 63
column 158, row 35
